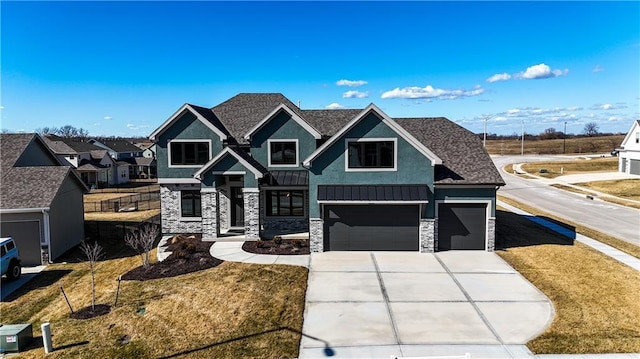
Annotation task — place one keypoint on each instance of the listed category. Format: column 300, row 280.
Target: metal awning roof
column 373, row 193
column 289, row 178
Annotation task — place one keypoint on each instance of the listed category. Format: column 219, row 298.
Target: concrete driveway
column 377, row 304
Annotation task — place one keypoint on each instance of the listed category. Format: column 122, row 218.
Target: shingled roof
column 328, row 122
column 11, row 147
column 464, row 159
column 243, row 111
column 118, row 145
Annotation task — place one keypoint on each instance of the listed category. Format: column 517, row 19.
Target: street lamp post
column 564, row 139
column 484, row 139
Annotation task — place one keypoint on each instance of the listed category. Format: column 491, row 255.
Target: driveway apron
column 377, row 304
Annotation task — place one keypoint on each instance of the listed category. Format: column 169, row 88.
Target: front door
column 237, row 207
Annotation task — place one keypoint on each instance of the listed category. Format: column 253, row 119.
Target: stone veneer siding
column 251, row 213
column 284, row 225
column 209, row 216
column 491, row 234
column 170, row 212
column 427, row 235
column 316, row 234
column 223, row 210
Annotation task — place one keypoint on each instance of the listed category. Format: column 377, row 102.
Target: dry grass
column 616, row 200
column 559, row 168
column 99, row 197
column 135, row 216
column 595, row 297
column 233, row 310
column 627, row 188
column 619, row 244
column 583, row 145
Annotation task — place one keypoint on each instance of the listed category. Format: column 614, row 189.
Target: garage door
column 27, row 237
column 461, row 226
column 371, row 228
column 634, row 167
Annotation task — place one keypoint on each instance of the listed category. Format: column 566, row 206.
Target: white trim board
column 177, row 115
column 282, row 107
column 220, row 156
column 435, row 160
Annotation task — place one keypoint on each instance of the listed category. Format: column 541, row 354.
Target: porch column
column 427, row 235
column 251, row 198
column 316, row 234
column 209, row 203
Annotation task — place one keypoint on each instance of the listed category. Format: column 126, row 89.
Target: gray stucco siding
column 187, row 127
column 412, row 167
column 461, row 194
column 66, row 218
column 230, row 164
column 282, row 126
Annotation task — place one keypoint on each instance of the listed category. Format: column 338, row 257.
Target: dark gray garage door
column 371, row 228
column 634, row 167
column 461, row 226
column 27, row 237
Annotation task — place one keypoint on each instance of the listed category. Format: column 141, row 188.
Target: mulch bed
column 88, row 313
column 189, row 254
column 286, row 247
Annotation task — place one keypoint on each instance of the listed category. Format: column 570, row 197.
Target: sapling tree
column 142, row 240
column 94, row 253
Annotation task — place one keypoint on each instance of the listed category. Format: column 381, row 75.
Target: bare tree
column 47, row 130
column 142, row 240
column 591, row 129
column 70, row 131
column 94, row 253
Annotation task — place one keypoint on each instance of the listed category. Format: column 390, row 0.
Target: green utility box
column 15, row 337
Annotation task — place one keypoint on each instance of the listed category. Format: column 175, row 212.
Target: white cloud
column 608, row 106
column 541, row 71
column 334, row 106
column 598, row 68
column 108, row 118
column 132, row 126
column 429, row 92
column 513, row 111
column 1, row 107
column 499, row 77
column 351, row 83
column 355, row 94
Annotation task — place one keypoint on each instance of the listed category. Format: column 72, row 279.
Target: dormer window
column 283, row 153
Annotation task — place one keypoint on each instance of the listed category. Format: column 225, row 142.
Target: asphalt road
column 619, row 221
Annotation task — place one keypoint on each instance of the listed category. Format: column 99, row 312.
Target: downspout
column 47, row 233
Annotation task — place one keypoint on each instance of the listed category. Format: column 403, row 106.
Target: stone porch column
column 208, row 198
column 251, row 213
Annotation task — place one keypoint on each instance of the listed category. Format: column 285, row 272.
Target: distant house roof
column 464, row 159
column 118, row 145
column 33, row 187
column 58, row 146
column 79, row 145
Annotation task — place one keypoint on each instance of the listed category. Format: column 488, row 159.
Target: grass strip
column 619, row 244
column 616, row 200
column 594, row 296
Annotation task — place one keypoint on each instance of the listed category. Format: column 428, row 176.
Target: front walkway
column 378, row 304
column 232, row 252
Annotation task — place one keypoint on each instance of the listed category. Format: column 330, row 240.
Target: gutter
column 23, row 210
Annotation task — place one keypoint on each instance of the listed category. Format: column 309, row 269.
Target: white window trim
column 188, row 219
column 178, row 140
column 371, row 169
column 269, row 141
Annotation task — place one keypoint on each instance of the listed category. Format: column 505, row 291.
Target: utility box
column 15, row 337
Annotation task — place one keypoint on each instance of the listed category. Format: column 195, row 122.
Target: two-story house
column 41, row 203
column 629, row 151
column 127, row 154
column 352, row 179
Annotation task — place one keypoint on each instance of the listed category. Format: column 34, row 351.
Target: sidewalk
column 614, row 253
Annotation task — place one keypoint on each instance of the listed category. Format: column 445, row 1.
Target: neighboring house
column 94, row 164
column 353, row 179
column 126, row 153
column 149, row 152
column 41, row 199
column 629, row 151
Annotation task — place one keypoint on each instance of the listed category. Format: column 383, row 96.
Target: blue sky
column 122, row 68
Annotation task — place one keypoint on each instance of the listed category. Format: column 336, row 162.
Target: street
column 619, row 221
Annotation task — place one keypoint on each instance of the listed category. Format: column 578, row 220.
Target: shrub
column 260, row 243
column 277, row 240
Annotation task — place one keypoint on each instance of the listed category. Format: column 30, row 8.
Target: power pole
column 564, row 139
column 522, row 146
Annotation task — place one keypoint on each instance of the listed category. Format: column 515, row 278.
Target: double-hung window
column 283, row 153
column 287, row 203
column 190, row 205
column 189, row 153
column 371, row 154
